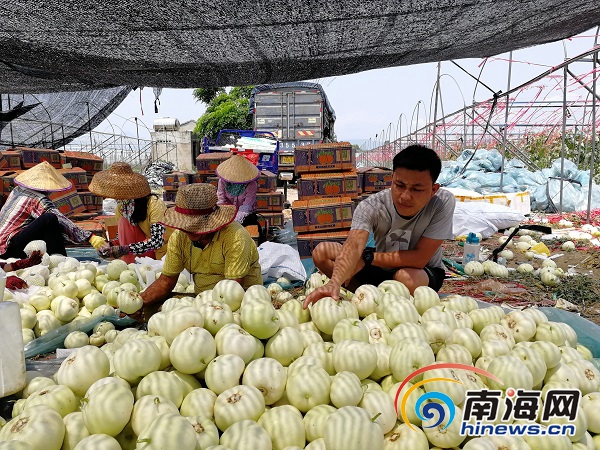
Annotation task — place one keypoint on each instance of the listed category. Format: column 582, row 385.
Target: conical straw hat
column 237, row 169
column 196, row 210
column 43, row 177
column 120, row 182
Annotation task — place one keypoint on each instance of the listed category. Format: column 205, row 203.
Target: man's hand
column 331, row 289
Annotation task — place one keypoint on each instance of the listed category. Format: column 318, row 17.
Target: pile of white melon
column 70, row 290
column 226, row 370
column 548, row 272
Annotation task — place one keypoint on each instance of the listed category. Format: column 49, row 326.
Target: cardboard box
column 271, row 219
column 68, row 202
column 94, row 225
column 269, row 201
column 110, row 224
column 7, row 179
column 206, row 163
column 169, row 195
column 177, row 179
column 77, row 176
column 326, row 185
column 214, row 180
column 327, row 157
column 10, row 160
column 253, row 230
column 307, row 242
column 322, row 214
column 267, row 181
column 375, row 179
column 87, row 161
column 33, row 156
column 92, row 202
column 360, row 176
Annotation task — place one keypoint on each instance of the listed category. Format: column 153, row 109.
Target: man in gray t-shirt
column 409, row 221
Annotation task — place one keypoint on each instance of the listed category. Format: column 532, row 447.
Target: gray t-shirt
column 392, row 232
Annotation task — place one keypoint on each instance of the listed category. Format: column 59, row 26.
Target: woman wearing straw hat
column 207, row 242
column 238, row 187
column 29, row 215
column 138, row 212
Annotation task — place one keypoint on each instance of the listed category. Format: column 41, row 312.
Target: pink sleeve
column 221, row 194
column 250, row 196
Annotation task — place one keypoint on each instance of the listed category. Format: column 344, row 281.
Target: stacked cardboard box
column 373, row 180
column 33, row 156
column 327, row 184
column 269, row 202
column 75, row 165
column 173, row 181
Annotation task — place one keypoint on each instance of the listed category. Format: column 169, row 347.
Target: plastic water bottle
column 471, row 249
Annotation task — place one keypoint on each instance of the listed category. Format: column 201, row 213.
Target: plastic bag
column 571, row 197
column 280, row 260
column 54, row 339
column 570, row 169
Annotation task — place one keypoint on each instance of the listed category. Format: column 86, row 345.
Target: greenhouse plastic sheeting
column 64, row 46
column 54, row 339
column 479, row 171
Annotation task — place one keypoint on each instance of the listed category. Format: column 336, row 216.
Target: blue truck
column 260, row 147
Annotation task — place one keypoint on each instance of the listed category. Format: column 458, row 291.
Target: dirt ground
column 581, row 290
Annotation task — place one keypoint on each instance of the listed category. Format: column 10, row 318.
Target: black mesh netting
column 59, row 46
column 52, row 120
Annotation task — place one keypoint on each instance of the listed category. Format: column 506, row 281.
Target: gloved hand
column 97, row 241
column 34, row 259
column 13, row 283
column 104, row 250
column 117, row 251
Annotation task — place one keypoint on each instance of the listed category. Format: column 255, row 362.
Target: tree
column 225, row 110
column 206, row 95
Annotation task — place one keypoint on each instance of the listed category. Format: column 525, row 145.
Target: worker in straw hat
column 207, row 242
column 139, row 213
column 29, row 215
column 238, row 187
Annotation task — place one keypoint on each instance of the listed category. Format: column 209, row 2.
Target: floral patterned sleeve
column 156, row 240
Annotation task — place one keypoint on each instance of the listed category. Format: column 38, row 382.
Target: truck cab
column 260, row 147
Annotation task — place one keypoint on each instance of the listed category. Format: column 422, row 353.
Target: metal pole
column 505, row 124
column 435, row 105
column 90, row 127
column 592, row 156
column 12, row 139
column 564, row 131
column 137, row 132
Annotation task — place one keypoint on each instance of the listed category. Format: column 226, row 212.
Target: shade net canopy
column 64, row 46
column 53, row 119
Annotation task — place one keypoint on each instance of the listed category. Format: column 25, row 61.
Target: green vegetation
column 224, row 110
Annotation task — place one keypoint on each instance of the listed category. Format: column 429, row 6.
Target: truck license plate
column 287, row 159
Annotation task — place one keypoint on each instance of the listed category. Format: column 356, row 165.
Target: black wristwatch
column 368, row 255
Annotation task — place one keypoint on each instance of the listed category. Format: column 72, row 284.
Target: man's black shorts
column 375, row 275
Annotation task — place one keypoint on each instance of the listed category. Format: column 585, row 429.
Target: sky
column 370, row 102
